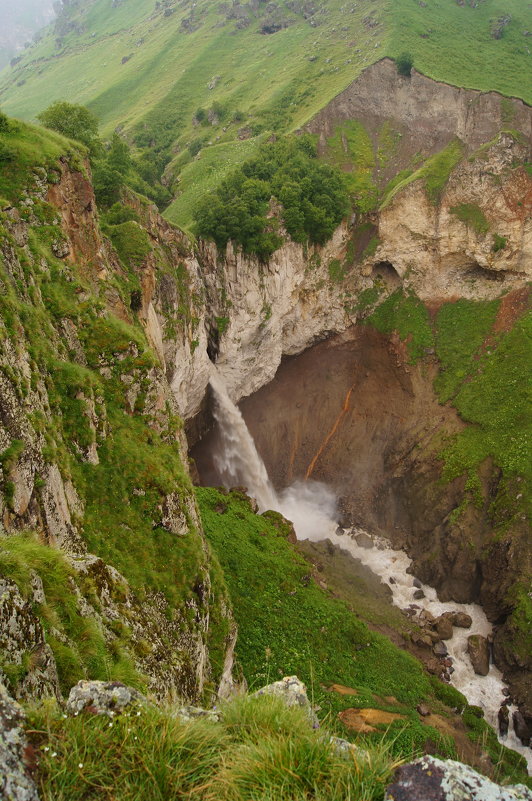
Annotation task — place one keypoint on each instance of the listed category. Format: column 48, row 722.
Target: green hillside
column 178, row 78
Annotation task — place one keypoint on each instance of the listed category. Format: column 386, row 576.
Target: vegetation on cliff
column 91, row 454
column 312, row 198
column 259, row 748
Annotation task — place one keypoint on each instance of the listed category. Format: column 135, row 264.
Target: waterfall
column 238, row 461
column 311, row 506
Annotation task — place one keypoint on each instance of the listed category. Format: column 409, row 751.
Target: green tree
column 404, row 64
column 119, row 156
column 4, row 123
column 312, row 197
column 74, row 121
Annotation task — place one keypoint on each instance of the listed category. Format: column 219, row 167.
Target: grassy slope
column 271, row 79
column 289, row 625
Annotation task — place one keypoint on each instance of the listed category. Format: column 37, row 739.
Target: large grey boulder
column 102, row 698
column 16, row 783
column 294, row 693
column 447, row 780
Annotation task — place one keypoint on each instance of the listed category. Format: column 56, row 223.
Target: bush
column 4, row 123
column 404, row 64
column 7, row 153
column 74, row 121
column 313, row 199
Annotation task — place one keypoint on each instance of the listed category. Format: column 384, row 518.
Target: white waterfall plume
column 310, row 505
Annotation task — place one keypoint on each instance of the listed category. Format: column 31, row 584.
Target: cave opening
column 386, row 272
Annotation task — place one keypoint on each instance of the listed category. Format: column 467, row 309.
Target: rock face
column 16, row 783
column 447, row 780
column 427, row 114
column 56, row 411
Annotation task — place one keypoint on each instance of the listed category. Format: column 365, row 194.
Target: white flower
column 46, row 748
column 54, row 754
column 80, row 765
column 110, row 725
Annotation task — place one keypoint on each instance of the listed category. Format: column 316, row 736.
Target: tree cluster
column 312, row 199
column 112, row 163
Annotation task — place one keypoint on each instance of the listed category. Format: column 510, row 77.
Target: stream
column 311, row 506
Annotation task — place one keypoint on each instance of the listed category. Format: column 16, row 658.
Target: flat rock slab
column 432, row 779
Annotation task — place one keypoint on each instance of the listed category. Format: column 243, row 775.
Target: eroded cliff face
column 79, row 386
column 104, row 351
column 249, row 315
column 425, row 114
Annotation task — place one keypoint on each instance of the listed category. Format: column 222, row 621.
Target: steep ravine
column 105, row 350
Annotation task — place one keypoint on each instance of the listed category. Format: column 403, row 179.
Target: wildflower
column 46, row 748
column 110, row 725
column 80, row 765
column 54, row 754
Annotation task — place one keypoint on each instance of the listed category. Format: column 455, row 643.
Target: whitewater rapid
column 312, row 508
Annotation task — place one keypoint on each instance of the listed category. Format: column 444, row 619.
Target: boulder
column 504, row 720
column 479, row 654
column 440, row 649
column 444, row 627
column 294, row 693
column 418, row 595
column 16, row 783
column 102, row 698
column 364, row 540
column 521, row 728
column 462, row 620
column 447, row 780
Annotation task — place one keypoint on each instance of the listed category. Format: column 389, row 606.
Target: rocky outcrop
column 16, row 782
column 102, row 698
column 447, row 780
column 69, row 368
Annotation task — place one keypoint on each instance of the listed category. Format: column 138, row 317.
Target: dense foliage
column 312, row 196
column 73, row 121
column 113, row 166
column 404, row 64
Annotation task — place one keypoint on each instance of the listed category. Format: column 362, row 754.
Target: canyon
column 329, row 389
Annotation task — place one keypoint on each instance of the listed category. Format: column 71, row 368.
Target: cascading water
column 311, row 506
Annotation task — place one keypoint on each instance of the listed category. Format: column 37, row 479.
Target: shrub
column 404, row 64
column 4, row 123
column 74, row 121
column 499, row 243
